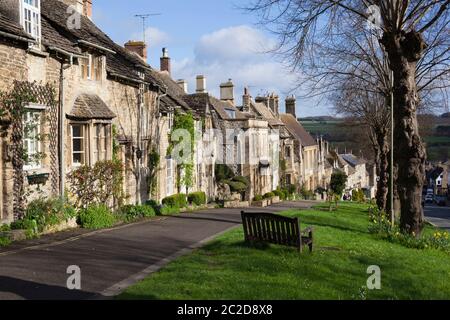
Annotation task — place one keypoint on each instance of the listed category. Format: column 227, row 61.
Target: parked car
column 429, row 198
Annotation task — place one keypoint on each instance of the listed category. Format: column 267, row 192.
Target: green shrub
column 280, row 194
column 241, row 179
column 291, row 189
column 43, row 213
column 151, row 203
column 258, row 198
column 269, row 195
column 223, row 172
column 5, row 227
column 166, row 210
column 4, row 242
column 197, row 198
column 177, row 200
column 131, row 213
column 306, row 194
column 236, row 186
column 96, row 217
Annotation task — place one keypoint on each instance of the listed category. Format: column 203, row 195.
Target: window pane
column 77, row 145
column 77, row 131
column 78, row 158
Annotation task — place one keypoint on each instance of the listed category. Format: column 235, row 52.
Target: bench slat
column 275, row 229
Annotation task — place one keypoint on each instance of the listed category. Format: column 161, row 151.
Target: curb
column 119, row 287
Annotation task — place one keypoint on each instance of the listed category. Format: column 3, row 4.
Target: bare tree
column 407, row 30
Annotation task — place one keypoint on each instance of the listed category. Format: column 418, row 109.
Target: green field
column 341, row 137
column 227, row 268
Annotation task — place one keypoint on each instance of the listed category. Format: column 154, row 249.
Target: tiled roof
column 266, row 113
column 352, row 160
column 52, row 38
column 175, row 92
column 89, row 106
column 201, row 101
column 9, row 26
column 298, row 130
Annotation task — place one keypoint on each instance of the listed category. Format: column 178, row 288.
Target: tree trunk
column 381, row 149
column 405, row 50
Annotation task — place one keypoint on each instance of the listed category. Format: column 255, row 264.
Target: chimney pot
column 201, row 84
column 291, row 106
column 227, row 91
column 138, row 47
column 165, row 61
column 246, row 100
column 183, row 85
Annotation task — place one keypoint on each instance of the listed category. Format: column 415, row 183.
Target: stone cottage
column 85, row 92
column 306, row 148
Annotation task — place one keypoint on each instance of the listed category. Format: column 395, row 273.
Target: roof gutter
column 116, row 75
column 90, row 44
column 66, row 53
column 19, row 38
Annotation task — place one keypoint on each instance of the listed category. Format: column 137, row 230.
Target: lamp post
column 392, row 152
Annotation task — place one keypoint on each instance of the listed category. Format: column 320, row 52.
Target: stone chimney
column 138, row 47
column 82, row 6
column 246, row 100
column 273, row 100
column 227, row 91
column 87, row 8
column 165, row 61
column 264, row 100
column 183, row 85
column 201, row 84
column 291, row 106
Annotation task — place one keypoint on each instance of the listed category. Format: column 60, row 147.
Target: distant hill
column 319, row 118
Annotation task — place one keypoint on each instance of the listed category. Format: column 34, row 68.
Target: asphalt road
column 439, row 216
column 109, row 260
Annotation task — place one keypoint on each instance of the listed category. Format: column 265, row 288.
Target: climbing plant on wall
column 185, row 170
column 13, row 107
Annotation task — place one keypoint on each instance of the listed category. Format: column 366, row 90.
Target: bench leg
column 310, row 247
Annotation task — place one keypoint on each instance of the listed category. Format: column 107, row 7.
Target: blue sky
column 210, row 37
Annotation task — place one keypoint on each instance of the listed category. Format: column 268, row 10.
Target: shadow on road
column 23, row 289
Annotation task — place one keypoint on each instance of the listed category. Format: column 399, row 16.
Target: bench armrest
column 308, row 230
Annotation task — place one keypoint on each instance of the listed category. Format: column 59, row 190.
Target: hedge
column 197, row 198
column 269, row 195
column 177, row 200
column 96, row 217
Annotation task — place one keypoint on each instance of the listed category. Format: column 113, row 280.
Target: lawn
column 227, row 268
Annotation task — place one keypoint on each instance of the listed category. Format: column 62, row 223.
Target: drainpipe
column 158, row 132
column 61, row 155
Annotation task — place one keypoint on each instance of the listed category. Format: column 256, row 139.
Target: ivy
column 185, row 171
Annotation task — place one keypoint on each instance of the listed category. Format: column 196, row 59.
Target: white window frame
column 89, row 67
column 33, row 9
column 169, row 177
column 84, row 128
column 33, row 109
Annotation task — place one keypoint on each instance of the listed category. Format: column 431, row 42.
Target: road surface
column 109, row 260
column 439, row 216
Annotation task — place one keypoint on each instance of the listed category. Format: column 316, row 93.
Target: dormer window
column 92, row 67
column 31, row 18
column 231, row 113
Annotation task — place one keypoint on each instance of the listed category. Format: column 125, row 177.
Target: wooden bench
column 276, row 229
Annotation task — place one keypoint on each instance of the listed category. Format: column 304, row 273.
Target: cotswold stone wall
column 120, row 97
column 12, row 67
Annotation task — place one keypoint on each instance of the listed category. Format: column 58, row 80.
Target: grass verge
column 227, row 268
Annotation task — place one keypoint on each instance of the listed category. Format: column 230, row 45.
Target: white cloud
column 238, row 53
column 154, row 37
